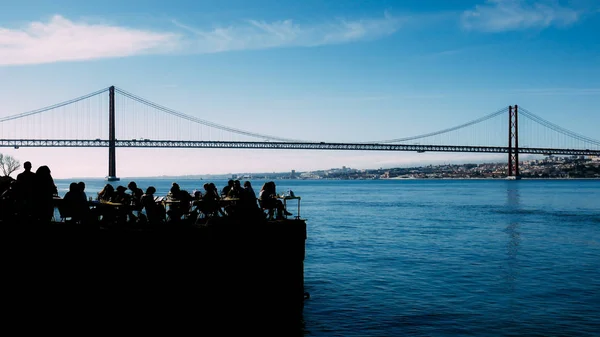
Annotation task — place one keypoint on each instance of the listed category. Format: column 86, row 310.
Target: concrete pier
column 249, row 273
column 228, row 276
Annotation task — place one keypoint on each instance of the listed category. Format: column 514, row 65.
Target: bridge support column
column 513, row 142
column 112, row 156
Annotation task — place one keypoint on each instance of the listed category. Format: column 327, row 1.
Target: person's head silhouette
column 27, row 166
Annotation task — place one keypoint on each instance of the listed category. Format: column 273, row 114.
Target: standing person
column 46, row 190
column 26, row 196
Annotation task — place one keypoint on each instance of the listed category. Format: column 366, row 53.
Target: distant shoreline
column 522, row 178
column 394, row 178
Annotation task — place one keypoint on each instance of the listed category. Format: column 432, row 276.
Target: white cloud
column 506, row 15
column 254, row 34
column 61, row 39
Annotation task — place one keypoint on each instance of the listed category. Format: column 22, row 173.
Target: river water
column 444, row 257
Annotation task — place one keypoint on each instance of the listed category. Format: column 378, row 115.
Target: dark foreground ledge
column 228, row 275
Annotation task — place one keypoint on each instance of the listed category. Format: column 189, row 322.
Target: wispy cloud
column 558, row 91
column 507, row 15
column 253, row 34
column 60, row 39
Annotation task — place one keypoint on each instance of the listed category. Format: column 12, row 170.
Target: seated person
column 123, row 211
column 235, row 192
column 120, row 196
column 197, row 195
column 155, row 212
column 227, row 188
column 136, row 195
column 210, row 203
column 107, row 193
column 75, row 205
column 107, row 213
column 247, row 204
column 182, row 207
column 267, row 198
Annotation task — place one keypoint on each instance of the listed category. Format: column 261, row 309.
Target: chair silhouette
column 66, row 211
column 268, row 211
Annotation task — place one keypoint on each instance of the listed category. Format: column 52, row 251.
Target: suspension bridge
column 115, row 118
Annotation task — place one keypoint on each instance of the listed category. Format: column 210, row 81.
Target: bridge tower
column 513, row 142
column 112, row 157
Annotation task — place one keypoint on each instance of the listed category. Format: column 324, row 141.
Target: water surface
column 445, row 257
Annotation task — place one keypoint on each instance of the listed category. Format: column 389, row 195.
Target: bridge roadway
column 147, row 143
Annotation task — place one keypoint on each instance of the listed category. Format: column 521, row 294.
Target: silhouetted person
column 107, row 213
column 75, row 204
column 268, row 200
column 46, row 190
column 226, row 189
column 233, row 207
column 136, row 195
column 197, row 195
column 249, row 191
column 107, row 193
column 81, row 185
column 210, row 203
column 247, row 201
column 120, row 196
column 27, row 192
column 155, row 212
column 182, row 206
column 235, row 190
column 92, row 212
column 123, row 212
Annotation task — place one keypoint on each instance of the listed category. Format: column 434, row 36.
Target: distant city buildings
column 549, row 167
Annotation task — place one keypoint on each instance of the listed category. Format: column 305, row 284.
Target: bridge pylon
column 112, row 155
column 513, row 142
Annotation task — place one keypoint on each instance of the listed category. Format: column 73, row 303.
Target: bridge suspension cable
column 445, row 132
column 58, row 105
column 479, row 120
column 556, row 128
column 201, row 121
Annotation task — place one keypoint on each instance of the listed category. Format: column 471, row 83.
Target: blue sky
column 345, row 71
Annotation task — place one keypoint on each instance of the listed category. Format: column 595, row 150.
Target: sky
column 337, row 71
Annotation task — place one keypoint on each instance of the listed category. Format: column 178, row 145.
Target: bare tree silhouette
column 8, row 164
